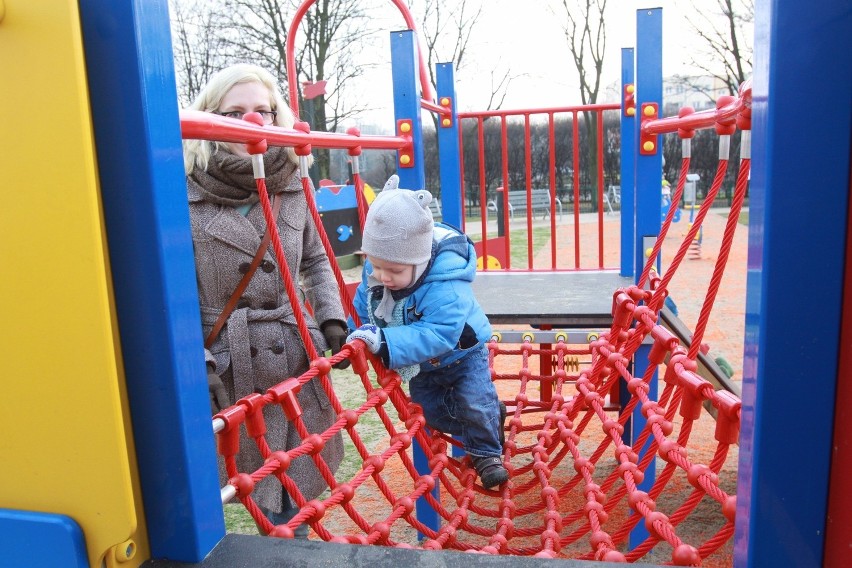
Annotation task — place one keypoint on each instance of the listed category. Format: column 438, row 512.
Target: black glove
column 335, row 335
column 218, row 394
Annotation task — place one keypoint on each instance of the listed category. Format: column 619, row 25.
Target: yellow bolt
column 631, row 111
column 405, row 127
column 592, row 337
column 649, row 111
column 630, row 89
column 405, row 159
column 125, row 551
column 446, row 122
column 445, row 101
column 648, row 146
column 648, row 252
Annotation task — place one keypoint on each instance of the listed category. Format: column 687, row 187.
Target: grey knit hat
column 399, row 225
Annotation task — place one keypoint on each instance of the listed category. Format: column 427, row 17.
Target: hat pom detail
column 392, row 183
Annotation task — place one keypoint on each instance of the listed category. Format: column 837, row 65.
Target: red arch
column 293, row 87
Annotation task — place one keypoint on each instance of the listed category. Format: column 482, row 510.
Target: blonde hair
column 196, row 153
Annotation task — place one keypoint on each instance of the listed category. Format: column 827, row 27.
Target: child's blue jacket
column 438, row 313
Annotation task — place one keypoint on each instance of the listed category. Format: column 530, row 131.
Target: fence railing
column 572, row 153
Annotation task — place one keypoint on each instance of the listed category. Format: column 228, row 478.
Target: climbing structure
column 575, row 488
column 120, row 403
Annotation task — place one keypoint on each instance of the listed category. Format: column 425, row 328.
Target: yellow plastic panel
column 64, row 446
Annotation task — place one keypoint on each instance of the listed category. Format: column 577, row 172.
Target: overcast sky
column 531, row 43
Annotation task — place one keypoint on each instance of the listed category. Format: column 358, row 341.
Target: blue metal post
column 449, row 149
column 134, row 107
column 628, row 165
column 406, row 102
column 649, row 167
column 799, row 206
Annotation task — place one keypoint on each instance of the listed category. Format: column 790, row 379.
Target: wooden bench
column 539, row 202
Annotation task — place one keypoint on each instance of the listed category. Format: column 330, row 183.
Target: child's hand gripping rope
column 370, row 335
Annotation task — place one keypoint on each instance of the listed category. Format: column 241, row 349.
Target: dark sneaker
column 502, row 431
column 491, row 471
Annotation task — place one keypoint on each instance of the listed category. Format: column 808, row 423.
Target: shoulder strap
column 243, row 284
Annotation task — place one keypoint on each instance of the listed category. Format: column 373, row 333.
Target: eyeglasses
column 267, row 115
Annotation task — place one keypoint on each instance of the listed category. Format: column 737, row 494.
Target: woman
column 256, row 343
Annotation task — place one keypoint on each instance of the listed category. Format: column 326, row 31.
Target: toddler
column 425, row 323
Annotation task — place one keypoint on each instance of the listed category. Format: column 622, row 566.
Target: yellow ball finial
column 631, row 111
column 446, row 122
column 649, row 111
column 405, row 127
column 405, row 159
column 630, row 89
column 445, row 101
column 648, row 146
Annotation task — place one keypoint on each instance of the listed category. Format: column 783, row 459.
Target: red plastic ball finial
column 255, row 146
column 730, row 125
column 685, row 132
column 353, row 131
column 304, row 149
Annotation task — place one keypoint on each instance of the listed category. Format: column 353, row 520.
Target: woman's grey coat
column 260, row 345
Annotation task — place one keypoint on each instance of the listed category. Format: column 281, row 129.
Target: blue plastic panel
column 41, row 540
column 799, row 203
column 137, row 133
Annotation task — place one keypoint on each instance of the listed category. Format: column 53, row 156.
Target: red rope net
column 575, row 476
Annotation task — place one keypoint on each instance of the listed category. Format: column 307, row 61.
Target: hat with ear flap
column 399, row 225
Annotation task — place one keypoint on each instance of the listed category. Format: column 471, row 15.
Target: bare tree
column 585, row 32
column 198, row 49
column 446, row 28
column 727, row 36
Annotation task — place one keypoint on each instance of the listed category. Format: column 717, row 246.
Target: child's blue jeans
column 461, row 400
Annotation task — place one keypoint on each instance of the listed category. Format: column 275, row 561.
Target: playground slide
column 707, row 366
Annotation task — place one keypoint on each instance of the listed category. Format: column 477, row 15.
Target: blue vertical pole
column 797, row 243
column 406, row 102
column 628, row 163
column 131, row 79
column 649, row 166
column 449, row 148
column 628, row 179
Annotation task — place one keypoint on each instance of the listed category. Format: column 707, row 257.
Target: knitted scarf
column 229, row 179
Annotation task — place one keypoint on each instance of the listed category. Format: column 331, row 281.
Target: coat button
column 269, row 305
column 278, row 348
column 267, row 266
column 253, row 351
column 244, row 267
column 243, row 303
